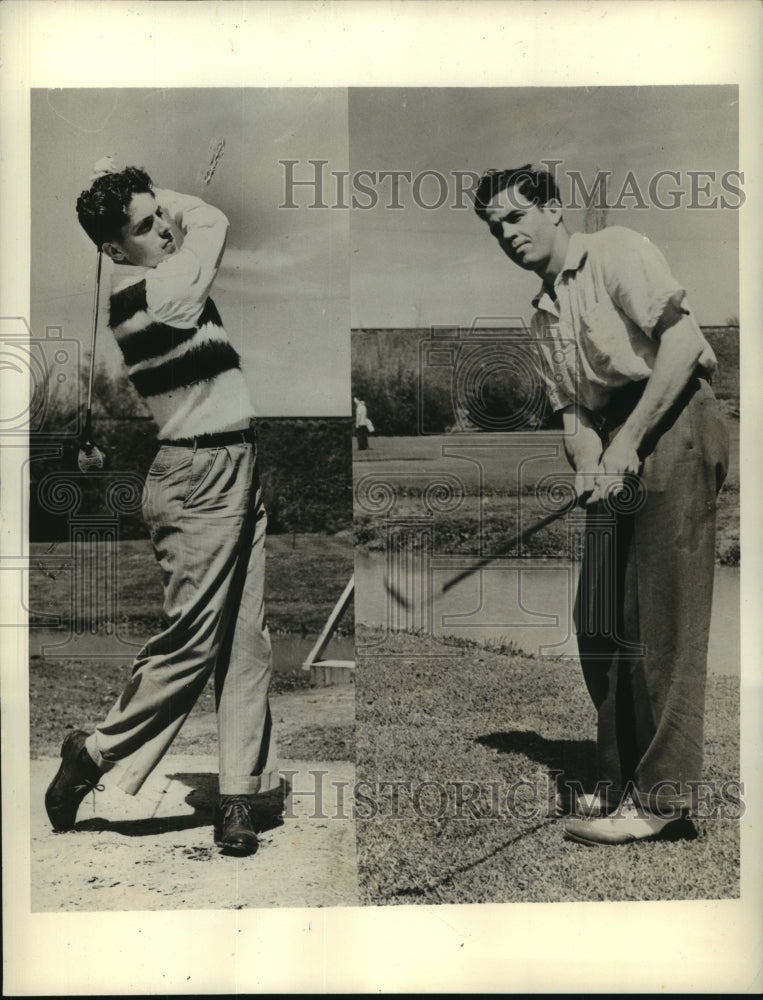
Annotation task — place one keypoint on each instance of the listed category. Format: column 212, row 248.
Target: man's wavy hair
column 102, row 209
column 535, row 184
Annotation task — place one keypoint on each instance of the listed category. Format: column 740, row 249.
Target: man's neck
column 549, row 270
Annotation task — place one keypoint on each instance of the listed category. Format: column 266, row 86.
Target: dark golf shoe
column 77, row 775
column 234, row 831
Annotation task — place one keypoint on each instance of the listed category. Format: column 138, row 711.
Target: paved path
column 155, row 850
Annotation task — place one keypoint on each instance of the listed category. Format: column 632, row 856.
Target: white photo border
column 584, row 947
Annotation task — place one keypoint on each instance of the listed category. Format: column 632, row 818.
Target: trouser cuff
column 249, row 784
column 96, row 755
column 669, row 803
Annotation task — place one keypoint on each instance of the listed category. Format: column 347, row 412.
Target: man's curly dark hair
column 533, row 183
column 102, row 209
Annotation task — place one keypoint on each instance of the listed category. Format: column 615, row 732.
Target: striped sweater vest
column 191, row 379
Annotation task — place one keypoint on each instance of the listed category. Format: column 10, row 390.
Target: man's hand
column 585, row 486
column 619, row 460
column 582, row 446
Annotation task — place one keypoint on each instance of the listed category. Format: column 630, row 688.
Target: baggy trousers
column 643, row 606
column 204, row 510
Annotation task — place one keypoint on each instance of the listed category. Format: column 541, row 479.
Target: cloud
column 309, row 262
column 264, row 261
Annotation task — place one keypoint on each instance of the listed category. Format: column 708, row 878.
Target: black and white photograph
column 377, row 414
column 551, row 660
column 190, row 422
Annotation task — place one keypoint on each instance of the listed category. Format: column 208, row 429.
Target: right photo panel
column 545, row 382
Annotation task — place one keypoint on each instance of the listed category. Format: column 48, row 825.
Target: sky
column 283, row 288
column 419, row 267
column 295, row 280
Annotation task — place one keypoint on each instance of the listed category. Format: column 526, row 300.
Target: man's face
column 525, row 232
column 146, row 239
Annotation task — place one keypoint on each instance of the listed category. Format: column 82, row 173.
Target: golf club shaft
column 96, row 297
column 522, row 536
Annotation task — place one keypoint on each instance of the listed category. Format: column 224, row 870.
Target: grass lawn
column 488, row 729
column 492, row 474
column 305, row 575
column 71, row 693
column 501, row 457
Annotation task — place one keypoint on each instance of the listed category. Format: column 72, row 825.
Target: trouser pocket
column 202, row 461
column 710, row 431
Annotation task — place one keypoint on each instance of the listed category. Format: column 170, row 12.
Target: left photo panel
column 186, row 509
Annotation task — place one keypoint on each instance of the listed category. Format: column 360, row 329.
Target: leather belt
column 245, row 436
column 624, row 399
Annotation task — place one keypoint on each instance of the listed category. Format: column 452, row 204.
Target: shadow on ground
column 202, row 796
column 574, row 758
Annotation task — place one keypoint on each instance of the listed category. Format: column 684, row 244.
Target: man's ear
column 554, row 208
column 114, row 251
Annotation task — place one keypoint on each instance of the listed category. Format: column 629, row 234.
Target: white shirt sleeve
column 177, row 289
column 639, row 281
column 641, row 284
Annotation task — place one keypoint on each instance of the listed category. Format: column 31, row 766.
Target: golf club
column 90, row 455
column 521, row 537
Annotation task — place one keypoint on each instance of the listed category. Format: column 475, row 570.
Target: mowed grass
column 471, row 738
column 77, row 693
column 480, row 486
column 305, row 575
column 501, row 457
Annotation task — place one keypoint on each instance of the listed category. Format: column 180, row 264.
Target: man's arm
column 639, row 281
column 677, row 355
column 583, row 447
column 178, row 288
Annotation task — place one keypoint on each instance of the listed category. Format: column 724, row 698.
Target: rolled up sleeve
column 639, row 281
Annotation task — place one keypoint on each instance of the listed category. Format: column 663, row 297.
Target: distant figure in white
column 363, row 426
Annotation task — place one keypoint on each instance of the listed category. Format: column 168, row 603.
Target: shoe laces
column 236, row 808
column 88, row 785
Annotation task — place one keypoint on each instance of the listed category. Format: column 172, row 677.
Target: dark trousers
column 362, row 433
column 643, row 606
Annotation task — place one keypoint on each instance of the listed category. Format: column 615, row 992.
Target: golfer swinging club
column 202, row 503
column 628, row 369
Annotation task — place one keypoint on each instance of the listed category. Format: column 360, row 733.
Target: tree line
column 305, row 463
column 412, row 382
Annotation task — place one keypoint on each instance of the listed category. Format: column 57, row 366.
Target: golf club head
column 90, row 458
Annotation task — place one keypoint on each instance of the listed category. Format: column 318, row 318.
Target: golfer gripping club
column 515, row 542
column 90, row 455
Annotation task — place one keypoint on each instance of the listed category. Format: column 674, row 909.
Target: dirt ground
column 155, row 851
